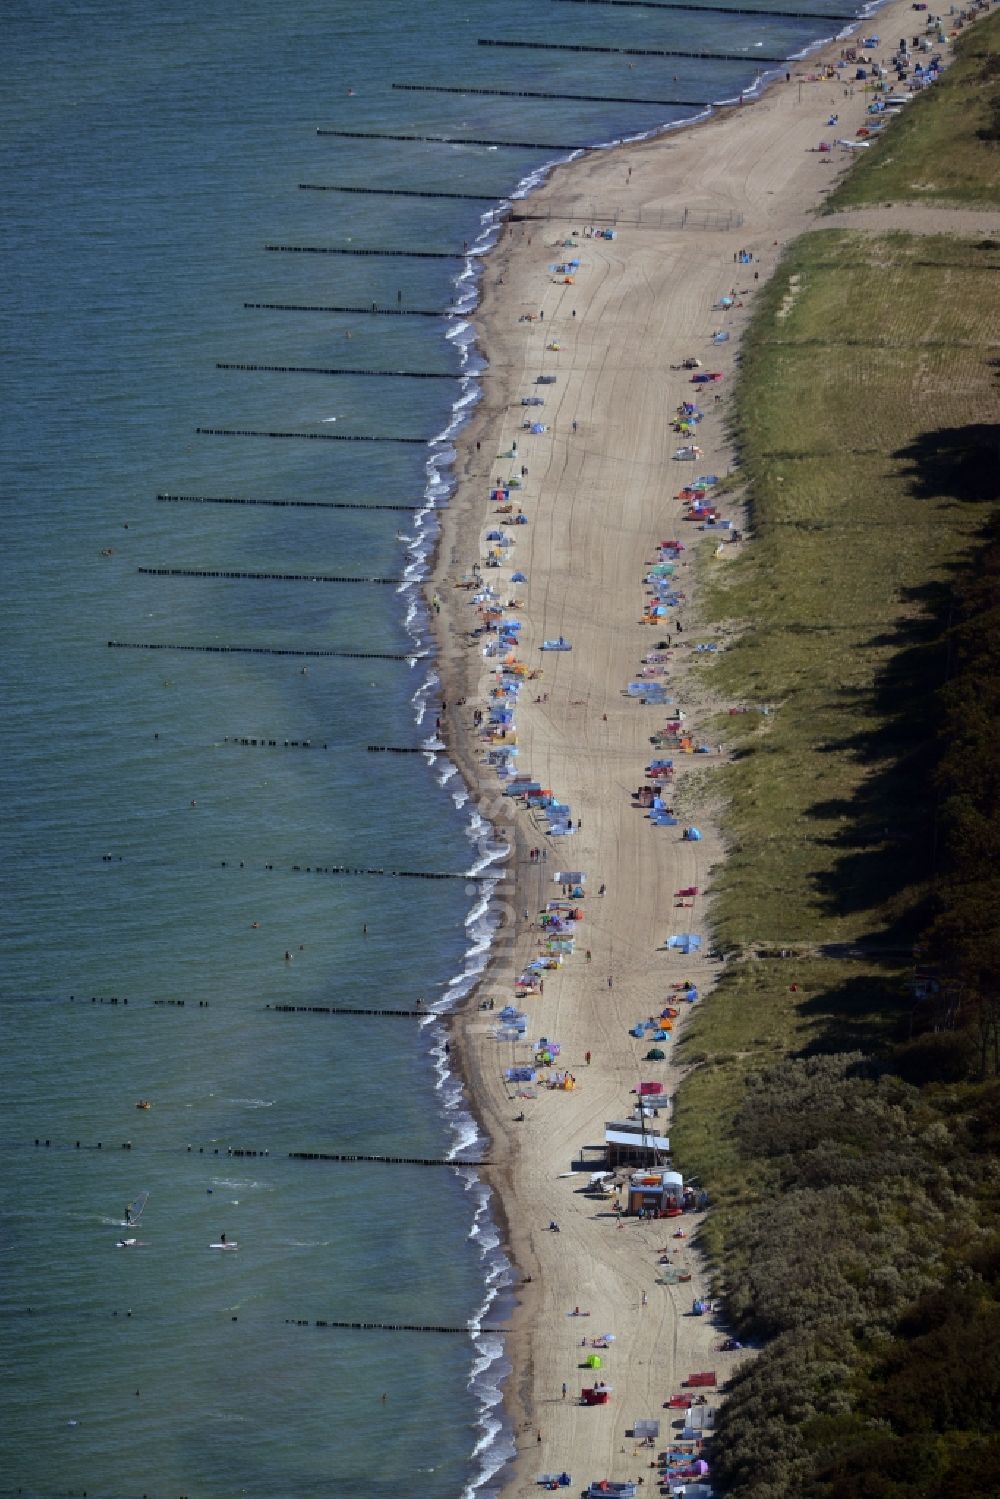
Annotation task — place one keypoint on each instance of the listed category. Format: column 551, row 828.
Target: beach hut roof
column 636, row 1139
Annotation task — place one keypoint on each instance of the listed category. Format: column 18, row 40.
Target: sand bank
column 599, row 494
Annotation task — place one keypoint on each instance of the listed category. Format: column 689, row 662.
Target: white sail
column 135, row 1210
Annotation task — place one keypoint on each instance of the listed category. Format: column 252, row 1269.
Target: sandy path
column 916, row 218
column 598, row 499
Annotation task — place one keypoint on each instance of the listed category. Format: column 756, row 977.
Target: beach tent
column 699, row 1420
column 594, row 1361
column 684, row 942
column 518, row 577
column 646, row 1428
column 520, row 1074
column 654, row 1054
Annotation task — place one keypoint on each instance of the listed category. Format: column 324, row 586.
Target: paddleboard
column 228, row 1245
column 132, row 1244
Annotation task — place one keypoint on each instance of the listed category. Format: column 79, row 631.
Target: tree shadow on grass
column 886, row 834
column 864, row 1012
column 961, row 464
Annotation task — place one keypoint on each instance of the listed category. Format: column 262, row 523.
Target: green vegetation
column 865, row 404
column 843, row 1112
column 945, row 149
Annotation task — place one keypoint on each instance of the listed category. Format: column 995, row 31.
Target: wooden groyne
column 524, row 93
column 373, row 311
column 379, row 1160
column 469, row 1332
column 629, row 52
column 308, row 436
column 240, row 1152
column 375, row 253
column 402, row 192
column 724, row 10
column 346, row 1010
column 206, row 572
column 264, row 650
column 248, row 741
column 469, row 140
column 230, row 499
column 313, row 369
column 388, row 874
column 399, row 749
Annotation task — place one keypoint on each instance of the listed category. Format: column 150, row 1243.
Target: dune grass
column 945, row 148
column 867, row 391
column 866, row 419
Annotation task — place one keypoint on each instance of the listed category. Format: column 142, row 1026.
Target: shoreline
column 513, row 281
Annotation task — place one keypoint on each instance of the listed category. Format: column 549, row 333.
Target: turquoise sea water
column 149, row 156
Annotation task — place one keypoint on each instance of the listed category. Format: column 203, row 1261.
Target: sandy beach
column 599, row 495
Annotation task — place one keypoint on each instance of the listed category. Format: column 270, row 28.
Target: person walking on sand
column 564, row 1390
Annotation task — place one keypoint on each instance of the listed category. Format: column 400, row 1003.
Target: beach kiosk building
column 656, row 1191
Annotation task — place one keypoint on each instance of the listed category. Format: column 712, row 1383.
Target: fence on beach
column 650, row 218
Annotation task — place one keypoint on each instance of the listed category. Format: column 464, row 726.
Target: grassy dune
column 850, row 1187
